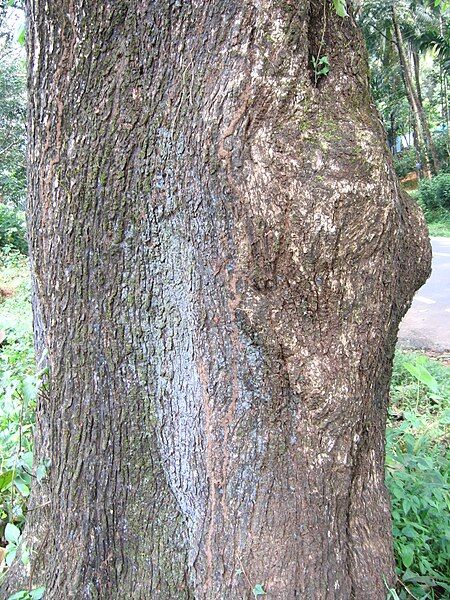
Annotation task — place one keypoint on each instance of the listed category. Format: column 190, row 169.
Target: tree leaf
column 421, row 373
column 22, row 595
column 407, row 554
column 41, row 472
column 29, row 389
column 21, row 36
column 445, row 418
column 37, row 593
column 11, row 552
column 5, row 479
column 12, row 533
column 340, row 7
column 258, row 590
column 22, row 487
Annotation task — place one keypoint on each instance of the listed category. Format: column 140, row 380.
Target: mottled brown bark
column 221, row 255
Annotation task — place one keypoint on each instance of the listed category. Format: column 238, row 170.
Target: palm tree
column 393, row 32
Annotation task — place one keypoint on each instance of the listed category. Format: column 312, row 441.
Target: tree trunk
column 392, row 133
column 416, row 62
column 421, row 127
column 444, row 94
column 221, row 256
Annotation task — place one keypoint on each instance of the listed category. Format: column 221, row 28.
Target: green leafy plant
column 18, row 389
column 320, row 62
column 340, row 7
column 258, row 590
column 435, row 193
column 321, row 67
column 12, row 536
column 35, row 594
column 12, row 229
column 422, row 374
column 417, row 458
column 405, row 162
column 12, row 130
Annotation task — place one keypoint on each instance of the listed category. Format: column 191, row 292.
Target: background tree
column 395, row 33
column 12, row 131
column 221, row 256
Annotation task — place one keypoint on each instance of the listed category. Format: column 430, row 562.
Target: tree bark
column 416, row 64
column 221, row 256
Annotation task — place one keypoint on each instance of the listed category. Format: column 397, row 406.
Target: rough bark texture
column 221, row 255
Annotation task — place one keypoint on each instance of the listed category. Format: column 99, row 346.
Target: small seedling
column 321, row 67
column 258, row 590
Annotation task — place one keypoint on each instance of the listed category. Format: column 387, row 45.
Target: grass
column 417, row 455
column 438, row 221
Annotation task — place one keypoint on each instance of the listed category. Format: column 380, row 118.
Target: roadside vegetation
column 417, row 474
column 433, row 195
column 17, row 400
column 417, row 446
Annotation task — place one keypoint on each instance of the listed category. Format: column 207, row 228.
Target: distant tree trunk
column 221, row 256
column 421, row 127
column 444, row 92
column 416, row 62
column 392, row 133
column 444, row 110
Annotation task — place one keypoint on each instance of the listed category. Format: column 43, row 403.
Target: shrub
column 405, row 162
column 12, row 229
column 12, row 129
column 435, row 193
column 417, row 475
column 442, row 144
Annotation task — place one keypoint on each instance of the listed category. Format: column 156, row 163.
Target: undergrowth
column 439, row 223
column 438, row 219
column 17, row 399
column 417, row 475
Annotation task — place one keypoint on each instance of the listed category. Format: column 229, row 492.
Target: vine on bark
column 321, row 64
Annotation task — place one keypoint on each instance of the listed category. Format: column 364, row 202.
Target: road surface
column 427, row 323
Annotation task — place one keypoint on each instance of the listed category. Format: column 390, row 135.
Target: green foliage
column 35, row 594
column 340, row 6
column 425, row 36
column 321, row 67
column 405, row 162
column 12, row 536
column 420, row 372
column 438, row 222
column 12, row 229
column 434, row 194
column 18, row 388
column 258, row 590
column 417, row 475
column 442, row 146
column 12, row 132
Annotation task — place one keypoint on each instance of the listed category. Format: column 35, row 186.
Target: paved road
column 427, row 323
